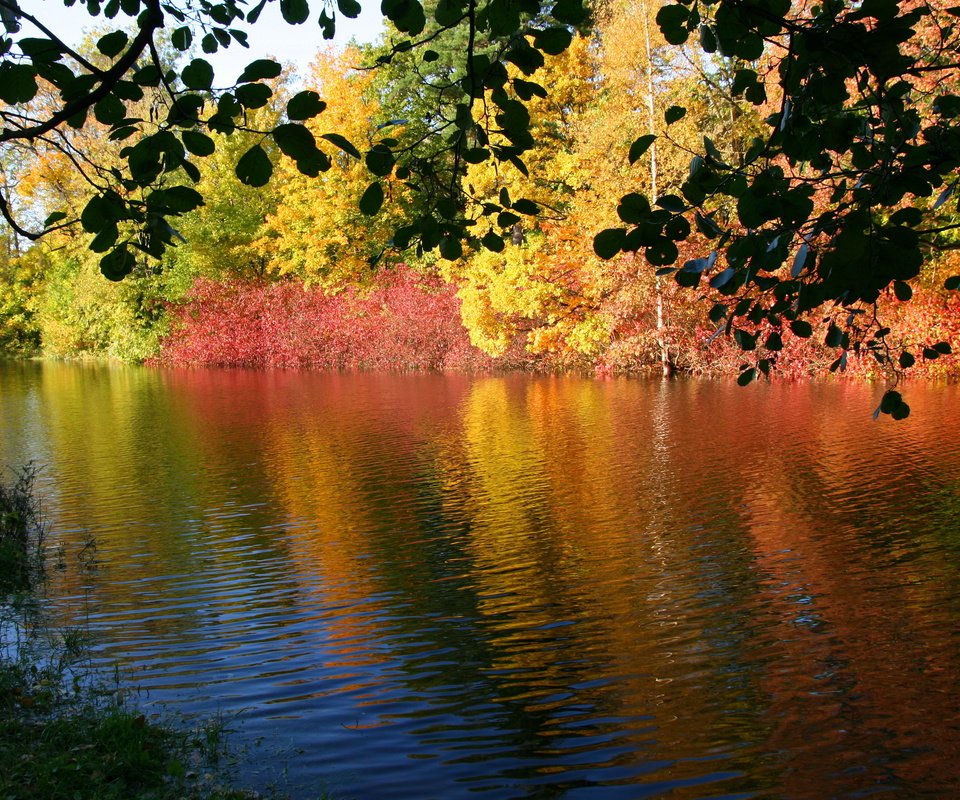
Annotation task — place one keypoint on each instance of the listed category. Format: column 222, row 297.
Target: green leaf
column 18, row 83
column 253, row 95
column 328, row 25
column 524, row 206
column 746, row 376
column 552, row 41
column 902, row 411
column 254, row 167
column 633, row 208
column 569, row 12
column 708, row 39
column 260, row 69
column 112, row 44
column 662, row 252
column 182, row 199
column 372, row 199
column 380, row 160
column 672, row 20
column 952, row 283
column 834, row 337
column 902, row 290
column 493, row 242
column 109, row 110
column 55, row 217
column 802, row 328
column 476, row 155
column 640, row 146
column 774, row 342
column 608, row 243
column 674, row 114
column 943, row 348
column 106, row 239
column 182, row 38
column 198, row 143
column 305, row 105
column 707, row 226
column 294, row 140
column 906, row 360
column 198, row 74
column 890, row 401
column 450, row 248
column 745, row 340
column 349, row 8
column 295, row 12
column 343, row 143
column 723, row 277
column 448, row 12
column 40, row 49
column 118, row 263
column 672, row 203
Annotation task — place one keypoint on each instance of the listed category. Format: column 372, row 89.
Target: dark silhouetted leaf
column 372, row 199
column 343, row 143
column 640, row 146
column 260, row 69
column 305, row 105
column 112, row 44
column 254, row 167
column 198, row 74
column 608, row 243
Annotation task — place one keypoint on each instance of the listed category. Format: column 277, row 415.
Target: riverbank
column 66, row 732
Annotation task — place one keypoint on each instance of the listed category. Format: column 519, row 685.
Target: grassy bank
column 65, row 729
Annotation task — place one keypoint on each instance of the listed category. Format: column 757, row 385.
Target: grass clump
column 21, row 532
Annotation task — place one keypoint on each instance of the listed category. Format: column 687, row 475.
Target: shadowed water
column 440, row 586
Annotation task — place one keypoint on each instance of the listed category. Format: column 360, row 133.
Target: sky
column 271, row 36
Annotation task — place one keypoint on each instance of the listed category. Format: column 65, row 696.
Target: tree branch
column 152, row 20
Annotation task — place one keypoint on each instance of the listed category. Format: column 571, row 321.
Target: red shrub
column 406, row 321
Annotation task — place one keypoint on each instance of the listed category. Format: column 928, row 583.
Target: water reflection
column 549, row 587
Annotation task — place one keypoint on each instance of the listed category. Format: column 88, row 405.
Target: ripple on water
column 429, row 586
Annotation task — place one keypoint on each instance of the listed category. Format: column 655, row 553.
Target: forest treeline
column 295, row 274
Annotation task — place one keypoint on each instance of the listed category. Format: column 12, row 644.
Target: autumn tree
column 838, row 199
column 318, row 231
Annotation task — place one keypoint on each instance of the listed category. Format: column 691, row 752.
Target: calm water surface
column 429, row 586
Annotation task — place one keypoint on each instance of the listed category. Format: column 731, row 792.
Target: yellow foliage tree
column 317, row 232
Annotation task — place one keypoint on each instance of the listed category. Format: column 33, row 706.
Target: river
column 441, row 586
